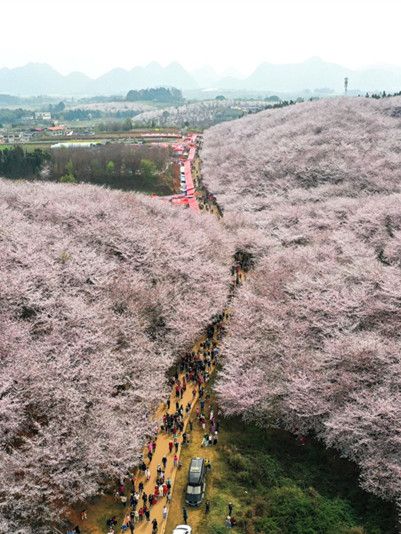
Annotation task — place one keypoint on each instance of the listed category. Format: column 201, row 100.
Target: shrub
column 68, row 179
column 237, row 462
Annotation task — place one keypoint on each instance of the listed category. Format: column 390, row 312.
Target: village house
column 43, row 116
column 56, row 130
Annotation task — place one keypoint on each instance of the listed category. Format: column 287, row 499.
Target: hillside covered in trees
column 201, row 114
column 314, row 192
column 156, row 94
column 100, row 293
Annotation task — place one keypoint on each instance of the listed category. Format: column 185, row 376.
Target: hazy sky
column 96, row 35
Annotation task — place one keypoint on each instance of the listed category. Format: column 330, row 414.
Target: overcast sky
column 94, row 36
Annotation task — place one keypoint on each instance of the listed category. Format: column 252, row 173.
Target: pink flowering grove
column 313, row 191
column 100, row 293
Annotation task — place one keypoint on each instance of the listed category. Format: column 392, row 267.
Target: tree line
column 157, row 94
column 18, row 163
column 119, row 166
column 383, row 94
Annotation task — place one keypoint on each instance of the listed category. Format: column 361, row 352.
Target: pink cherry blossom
column 100, row 294
column 314, row 193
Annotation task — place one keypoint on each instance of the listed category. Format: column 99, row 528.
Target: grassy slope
column 278, row 485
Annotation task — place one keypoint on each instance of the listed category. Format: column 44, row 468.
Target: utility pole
column 345, row 85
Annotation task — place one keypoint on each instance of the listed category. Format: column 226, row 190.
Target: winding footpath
column 162, row 449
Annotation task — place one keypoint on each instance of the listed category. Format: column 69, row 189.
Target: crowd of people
column 192, row 374
column 207, row 201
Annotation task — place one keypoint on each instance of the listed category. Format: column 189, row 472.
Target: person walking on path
column 154, row 526
column 164, row 462
column 207, row 507
column 230, row 509
column 165, row 512
column 185, row 515
column 147, row 515
column 215, row 438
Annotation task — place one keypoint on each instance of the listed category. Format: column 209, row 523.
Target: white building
column 43, row 116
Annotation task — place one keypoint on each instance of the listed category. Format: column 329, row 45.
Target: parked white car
column 182, row 529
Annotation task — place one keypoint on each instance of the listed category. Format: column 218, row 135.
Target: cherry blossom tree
column 198, row 114
column 100, row 293
column 314, row 192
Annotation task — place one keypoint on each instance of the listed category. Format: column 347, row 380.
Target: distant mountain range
column 40, row 79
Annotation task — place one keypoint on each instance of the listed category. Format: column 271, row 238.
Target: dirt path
column 107, row 506
column 193, row 450
column 162, row 449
